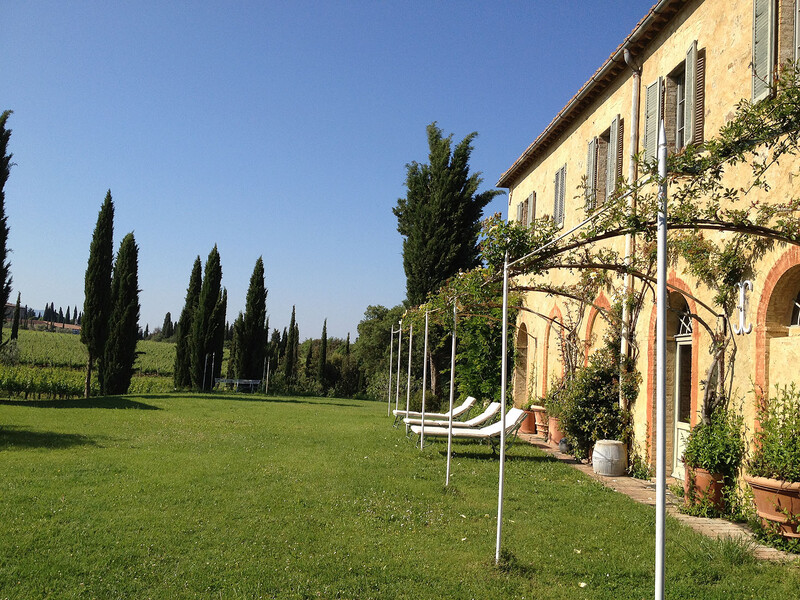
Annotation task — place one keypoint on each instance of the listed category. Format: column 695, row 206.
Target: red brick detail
column 789, row 259
column 600, row 303
column 555, row 314
column 677, row 284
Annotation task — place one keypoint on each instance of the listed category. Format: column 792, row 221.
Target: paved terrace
column 645, row 492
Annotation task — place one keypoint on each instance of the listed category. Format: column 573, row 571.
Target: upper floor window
column 679, row 99
column 764, row 47
column 775, row 41
column 526, row 210
column 558, row 202
column 604, row 165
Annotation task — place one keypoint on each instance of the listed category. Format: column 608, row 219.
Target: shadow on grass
column 17, row 438
column 510, row 456
column 257, row 398
column 115, row 402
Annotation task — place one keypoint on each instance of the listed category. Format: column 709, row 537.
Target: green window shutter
column 652, row 117
column 558, row 201
column 612, row 157
column 797, row 30
column 763, row 47
column 531, row 209
column 562, row 189
column 557, row 193
column 690, row 85
column 591, row 175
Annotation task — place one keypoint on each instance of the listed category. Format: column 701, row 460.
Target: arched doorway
column 679, row 379
column 782, row 328
column 521, row 367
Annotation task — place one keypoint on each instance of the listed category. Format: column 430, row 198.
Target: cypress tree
column 5, row 170
column 439, row 220
column 120, row 350
column 166, row 328
column 61, row 316
column 146, row 333
column 203, row 331
column 323, row 356
column 97, row 290
column 15, row 322
column 68, row 317
column 309, row 358
column 182, row 372
column 235, row 356
column 218, row 347
column 289, row 365
column 74, row 315
column 284, row 342
column 274, row 349
column 250, row 359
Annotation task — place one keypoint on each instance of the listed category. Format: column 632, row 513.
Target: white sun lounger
column 474, row 422
column 490, row 433
column 457, row 411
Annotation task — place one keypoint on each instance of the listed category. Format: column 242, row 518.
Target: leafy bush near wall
column 588, row 404
column 776, row 453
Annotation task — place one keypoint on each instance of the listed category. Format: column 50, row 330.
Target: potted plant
column 553, row 404
column 537, row 418
column 774, row 467
column 713, row 454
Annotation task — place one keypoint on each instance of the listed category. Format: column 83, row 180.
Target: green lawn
column 247, row 497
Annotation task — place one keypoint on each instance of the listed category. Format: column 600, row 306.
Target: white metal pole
column 661, row 365
column 399, row 348
column 424, row 383
column 452, row 394
column 408, row 384
column 503, row 384
column 266, row 387
column 634, row 148
column 213, row 358
column 391, row 359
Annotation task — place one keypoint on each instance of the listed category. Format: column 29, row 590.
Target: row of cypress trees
column 200, row 330
column 110, row 324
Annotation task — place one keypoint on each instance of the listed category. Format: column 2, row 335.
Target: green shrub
column 716, row 446
column 776, row 452
column 588, row 404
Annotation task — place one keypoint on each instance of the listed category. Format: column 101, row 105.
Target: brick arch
column 601, row 302
column 555, row 315
column 766, row 314
column 521, row 366
column 677, row 285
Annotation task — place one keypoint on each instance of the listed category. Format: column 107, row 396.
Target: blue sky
column 274, row 129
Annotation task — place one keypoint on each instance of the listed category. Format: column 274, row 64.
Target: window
column 764, row 41
column 558, row 203
column 604, row 165
column 775, row 41
column 653, row 99
column 531, row 215
column 526, row 210
column 679, row 99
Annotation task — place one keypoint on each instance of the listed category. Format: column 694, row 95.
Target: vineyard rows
column 49, row 349
column 60, row 383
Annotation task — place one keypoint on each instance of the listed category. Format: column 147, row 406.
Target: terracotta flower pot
column 554, row 434
column 529, row 424
column 777, row 503
column 540, row 416
column 707, row 486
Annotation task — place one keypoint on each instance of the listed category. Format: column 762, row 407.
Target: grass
column 249, row 497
